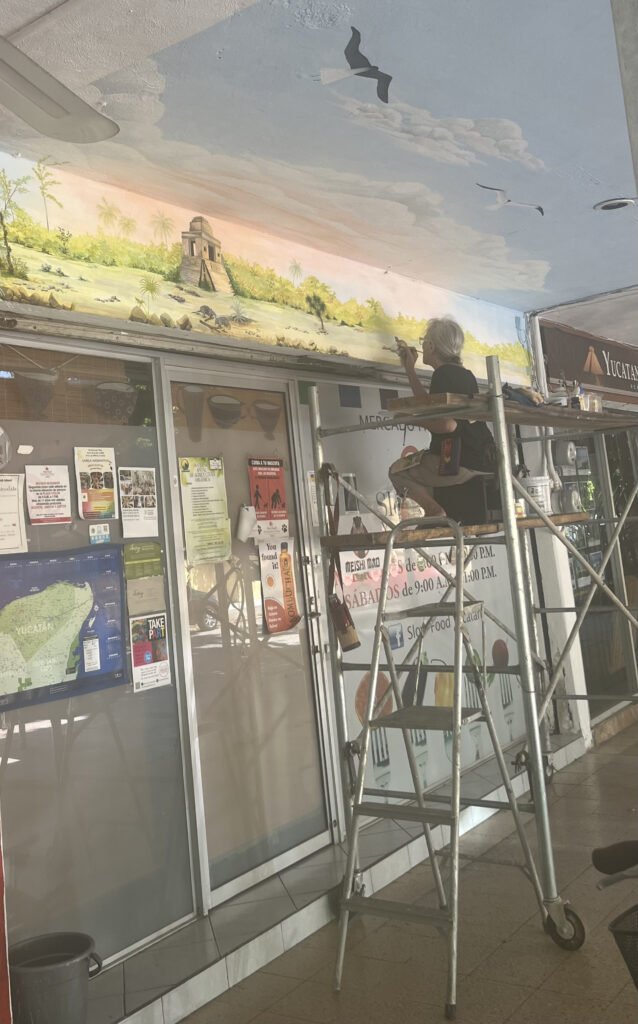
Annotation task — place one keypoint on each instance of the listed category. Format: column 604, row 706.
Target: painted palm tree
column 46, row 181
column 295, row 271
column 108, row 214
column 163, row 227
column 9, row 189
column 126, row 226
column 149, row 288
column 317, row 306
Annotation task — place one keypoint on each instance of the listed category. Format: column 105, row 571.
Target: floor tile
column 251, row 914
column 305, row 881
column 509, row 968
column 168, row 963
column 106, row 996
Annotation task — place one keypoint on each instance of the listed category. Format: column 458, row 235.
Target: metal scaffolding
column 537, row 686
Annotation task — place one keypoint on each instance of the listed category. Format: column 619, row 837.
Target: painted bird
column 359, row 65
column 503, row 200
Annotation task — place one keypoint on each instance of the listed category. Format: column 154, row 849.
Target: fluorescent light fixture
column 48, row 106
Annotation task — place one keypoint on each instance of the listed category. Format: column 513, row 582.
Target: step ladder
column 414, row 722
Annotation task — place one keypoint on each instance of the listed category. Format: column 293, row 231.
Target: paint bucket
column 538, row 488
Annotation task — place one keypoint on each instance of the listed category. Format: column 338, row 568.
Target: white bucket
column 538, row 488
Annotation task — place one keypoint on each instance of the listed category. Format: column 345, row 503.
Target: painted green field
column 115, row 291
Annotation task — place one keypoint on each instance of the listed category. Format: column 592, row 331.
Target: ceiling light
column 48, row 106
column 616, row 204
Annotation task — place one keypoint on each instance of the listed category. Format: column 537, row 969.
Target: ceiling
column 222, row 110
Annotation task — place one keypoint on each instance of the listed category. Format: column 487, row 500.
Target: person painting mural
column 460, row 450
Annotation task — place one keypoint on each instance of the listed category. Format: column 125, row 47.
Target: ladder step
column 424, row 611
column 420, row 717
column 405, row 812
column 402, row 911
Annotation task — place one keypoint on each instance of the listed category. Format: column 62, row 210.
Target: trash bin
column 50, row 978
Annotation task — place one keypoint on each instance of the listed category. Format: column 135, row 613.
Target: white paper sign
column 13, row 535
column 48, row 494
column 138, row 500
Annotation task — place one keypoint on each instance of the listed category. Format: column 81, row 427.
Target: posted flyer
column 13, row 534
column 268, row 497
column 205, row 509
column 149, row 652
column 138, row 501
column 96, row 483
column 278, row 585
column 48, row 494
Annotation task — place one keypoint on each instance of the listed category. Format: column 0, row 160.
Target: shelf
column 414, row 538
column 477, row 407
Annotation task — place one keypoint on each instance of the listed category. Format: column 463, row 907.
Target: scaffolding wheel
column 576, row 939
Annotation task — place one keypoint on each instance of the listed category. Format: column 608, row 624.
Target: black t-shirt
column 475, row 437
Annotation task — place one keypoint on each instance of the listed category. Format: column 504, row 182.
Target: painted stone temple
column 202, row 258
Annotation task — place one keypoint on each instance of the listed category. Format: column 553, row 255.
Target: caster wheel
column 577, row 937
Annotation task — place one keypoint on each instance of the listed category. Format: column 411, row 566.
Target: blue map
column 62, row 625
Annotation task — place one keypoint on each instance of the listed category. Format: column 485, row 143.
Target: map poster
column 138, row 500
column 62, row 625
column 268, row 497
column 204, row 509
column 48, row 494
column 13, row 534
column 278, row 585
column 149, row 651
column 96, row 483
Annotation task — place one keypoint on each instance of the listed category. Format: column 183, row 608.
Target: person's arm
column 408, row 357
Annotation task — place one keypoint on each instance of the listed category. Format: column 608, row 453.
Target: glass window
column 259, row 748
column 91, row 781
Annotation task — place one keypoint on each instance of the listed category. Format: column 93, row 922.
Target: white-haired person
column 472, row 445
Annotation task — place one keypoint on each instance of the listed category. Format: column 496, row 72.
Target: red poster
column 5, row 995
column 267, row 489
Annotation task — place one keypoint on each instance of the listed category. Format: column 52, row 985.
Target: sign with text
column 604, row 366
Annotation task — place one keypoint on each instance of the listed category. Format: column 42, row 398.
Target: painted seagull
column 359, row 65
column 502, row 200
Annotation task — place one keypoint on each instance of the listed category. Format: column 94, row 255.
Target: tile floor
column 509, row 970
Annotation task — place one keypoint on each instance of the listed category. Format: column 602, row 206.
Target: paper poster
column 48, row 494
column 278, row 585
column 268, row 497
column 61, row 624
column 99, row 533
column 149, row 652
column 205, row 510
column 138, row 501
column 144, row 572
column 13, row 534
column 96, row 483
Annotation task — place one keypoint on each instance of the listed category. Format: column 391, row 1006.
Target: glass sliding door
column 261, row 770
column 94, row 814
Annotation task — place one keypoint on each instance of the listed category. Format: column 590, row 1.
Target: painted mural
column 75, row 245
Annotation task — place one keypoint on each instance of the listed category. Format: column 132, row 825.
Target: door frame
column 176, row 369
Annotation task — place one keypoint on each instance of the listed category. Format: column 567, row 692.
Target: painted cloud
column 448, row 140
column 379, row 223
